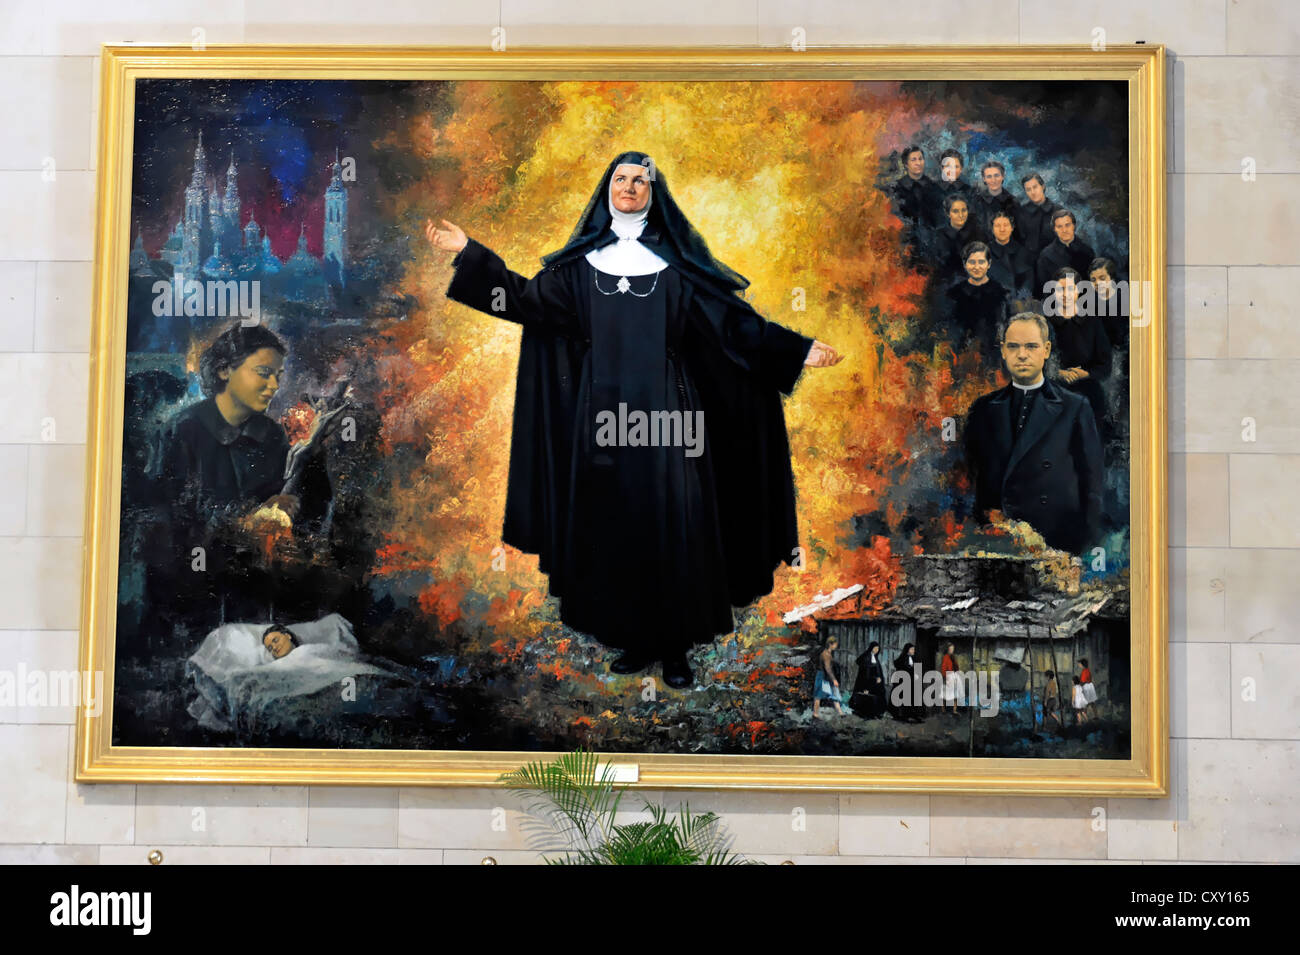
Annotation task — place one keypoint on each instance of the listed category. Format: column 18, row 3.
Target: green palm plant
column 570, row 808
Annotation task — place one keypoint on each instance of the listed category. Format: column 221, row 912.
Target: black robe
column 946, row 244
column 974, row 315
column 915, row 200
column 1113, row 313
column 987, row 206
column 1081, row 342
column 1114, row 317
column 647, row 548
column 906, row 700
column 1034, row 226
column 1012, row 267
column 206, row 474
column 870, row 692
column 1078, row 255
column 944, row 189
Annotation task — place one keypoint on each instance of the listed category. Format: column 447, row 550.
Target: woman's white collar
column 627, row 256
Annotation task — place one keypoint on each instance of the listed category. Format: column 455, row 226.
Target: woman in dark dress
column 976, row 309
column 869, row 691
column 905, row 687
column 958, row 231
column 218, row 461
column 224, row 455
column 650, row 533
column 1009, row 262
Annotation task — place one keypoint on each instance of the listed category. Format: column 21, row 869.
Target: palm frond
column 571, row 806
column 568, row 794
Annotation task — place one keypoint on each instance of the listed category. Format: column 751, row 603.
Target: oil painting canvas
column 691, row 417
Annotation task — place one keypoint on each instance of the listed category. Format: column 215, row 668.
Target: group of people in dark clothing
column 944, row 217
column 874, row 694
column 871, row 696
column 1008, row 279
column 900, row 694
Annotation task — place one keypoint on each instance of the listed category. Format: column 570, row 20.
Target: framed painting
column 779, row 419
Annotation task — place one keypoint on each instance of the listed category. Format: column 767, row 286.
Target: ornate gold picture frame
column 762, row 159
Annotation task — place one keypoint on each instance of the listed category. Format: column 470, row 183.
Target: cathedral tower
column 336, row 225
column 196, row 230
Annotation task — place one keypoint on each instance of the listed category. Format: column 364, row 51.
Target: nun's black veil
column 668, row 232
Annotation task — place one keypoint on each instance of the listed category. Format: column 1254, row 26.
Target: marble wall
column 1234, row 514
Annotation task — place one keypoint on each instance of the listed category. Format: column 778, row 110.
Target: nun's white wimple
column 627, row 256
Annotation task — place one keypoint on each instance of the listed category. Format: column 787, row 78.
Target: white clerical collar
column 1016, row 384
column 627, row 256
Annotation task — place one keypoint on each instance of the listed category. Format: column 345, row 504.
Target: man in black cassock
column 993, row 198
column 1035, row 219
column 1066, row 251
column 651, row 538
column 1032, row 447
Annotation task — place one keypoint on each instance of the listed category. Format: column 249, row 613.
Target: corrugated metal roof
column 1060, row 615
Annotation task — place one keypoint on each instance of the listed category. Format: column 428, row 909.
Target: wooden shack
column 1017, row 616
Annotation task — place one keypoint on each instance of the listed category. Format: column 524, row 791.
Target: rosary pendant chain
column 624, row 286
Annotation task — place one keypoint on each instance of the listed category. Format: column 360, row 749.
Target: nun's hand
column 822, row 355
column 450, row 238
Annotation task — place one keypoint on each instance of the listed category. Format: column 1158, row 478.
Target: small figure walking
column 905, row 694
column 951, row 680
column 1089, row 691
column 1080, row 702
column 1052, row 700
column 827, row 684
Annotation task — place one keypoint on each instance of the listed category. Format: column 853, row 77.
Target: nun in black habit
column 870, row 693
column 649, row 461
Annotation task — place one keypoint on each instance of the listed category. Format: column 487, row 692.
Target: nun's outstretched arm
column 768, row 350
column 483, row 282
